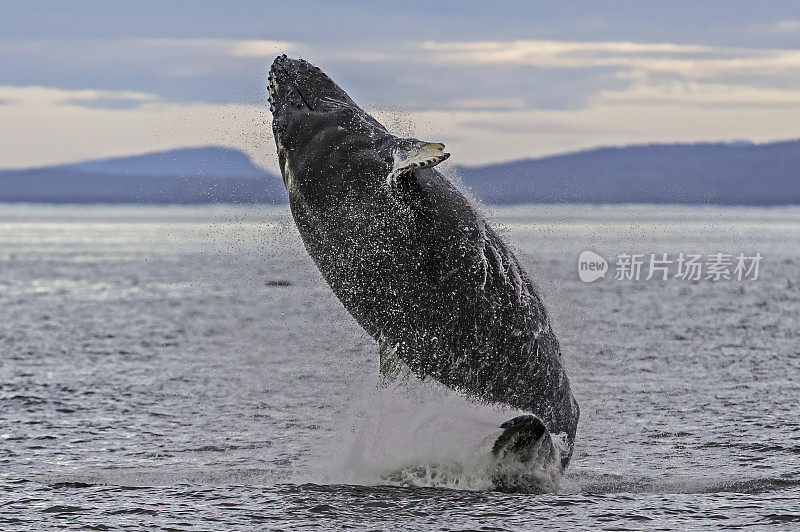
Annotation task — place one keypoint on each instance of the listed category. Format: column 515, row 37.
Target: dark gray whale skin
column 414, row 262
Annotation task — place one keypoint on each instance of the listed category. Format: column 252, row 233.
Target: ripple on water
column 174, row 370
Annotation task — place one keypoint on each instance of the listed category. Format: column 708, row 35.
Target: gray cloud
column 405, row 76
column 186, row 51
column 105, row 102
column 729, row 22
column 542, row 74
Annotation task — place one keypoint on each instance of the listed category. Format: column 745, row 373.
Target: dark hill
column 739, row 173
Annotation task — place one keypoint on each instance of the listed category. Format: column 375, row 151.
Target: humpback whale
column 417, row 265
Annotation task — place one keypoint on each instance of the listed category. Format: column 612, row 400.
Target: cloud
column 527, row 51
column 480, row 137
column 267, row 49
column 489, row 103
column 106, row 102
column 687, row 61
column 488, row 100
column 109, row 99
column 45, row 96
column 216, row 47
column 690, row 93
column 51, row 128
column 406, row 76
column 786, row 26
column 180, row 70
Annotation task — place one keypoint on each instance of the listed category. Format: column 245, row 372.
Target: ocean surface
column 188, row 368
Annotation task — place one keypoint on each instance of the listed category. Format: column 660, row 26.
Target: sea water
column 188, row 367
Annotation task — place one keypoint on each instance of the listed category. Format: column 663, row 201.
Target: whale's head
column 319, row 130
column 296, row 88
column 327, row 145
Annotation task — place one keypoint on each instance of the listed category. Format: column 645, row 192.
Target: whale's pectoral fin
column 412, row 154
column 525, row 457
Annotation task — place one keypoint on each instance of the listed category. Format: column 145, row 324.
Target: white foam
column 409, row 433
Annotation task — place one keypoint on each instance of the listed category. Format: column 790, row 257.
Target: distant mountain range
column 739, row 173
column 208, row 174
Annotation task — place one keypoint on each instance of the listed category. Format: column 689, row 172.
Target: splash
column 410, row 433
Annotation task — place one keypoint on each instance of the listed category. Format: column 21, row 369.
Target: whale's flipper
column 525, row 457
column 412, row 154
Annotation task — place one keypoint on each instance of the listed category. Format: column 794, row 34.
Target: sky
column 494, row 81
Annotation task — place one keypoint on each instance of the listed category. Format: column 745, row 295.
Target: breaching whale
column 419, row 268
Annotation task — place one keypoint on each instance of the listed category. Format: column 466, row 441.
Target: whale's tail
column 525, row 457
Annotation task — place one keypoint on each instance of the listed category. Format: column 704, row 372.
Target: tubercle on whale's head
column 297, row 85
column 317, row 125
